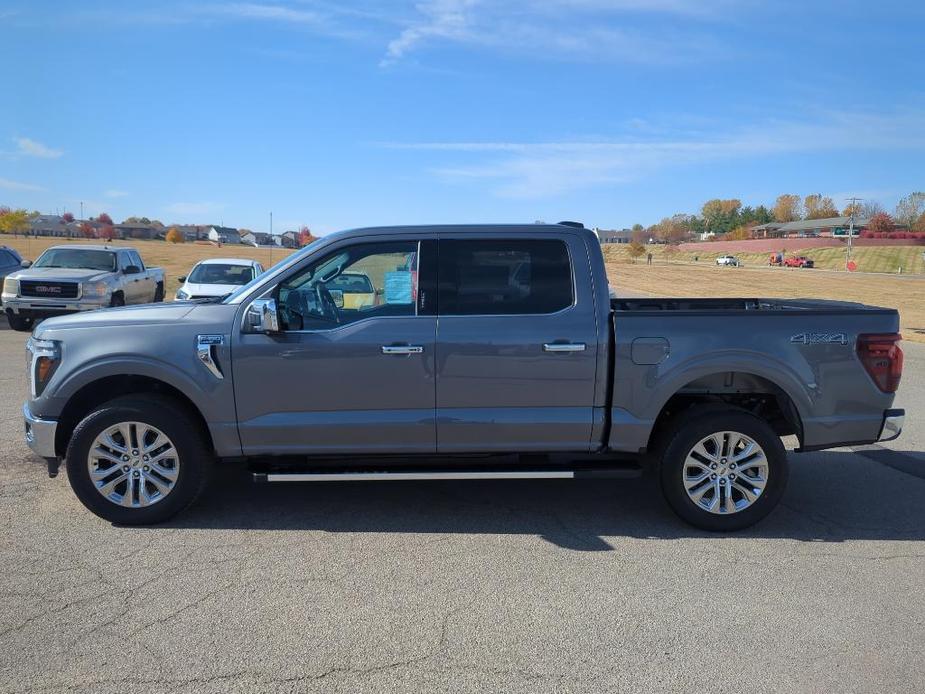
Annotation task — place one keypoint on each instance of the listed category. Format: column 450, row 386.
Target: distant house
column 829, row 226
column 189, row 232
column 289, row 239
column 137, row 231
column 50, row 225
column 220, row 234
column 257, row 238
column 614, row 235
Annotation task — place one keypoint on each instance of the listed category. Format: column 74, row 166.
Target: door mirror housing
column 181, row 279
column 131, row 270
column 262, row 316
column 26, row 264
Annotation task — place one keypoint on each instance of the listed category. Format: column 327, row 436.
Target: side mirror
column 131, row 270
column 181, row 279
column 262, row 317
column 25, row 264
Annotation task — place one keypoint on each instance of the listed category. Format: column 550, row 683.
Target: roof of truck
column 89, row 247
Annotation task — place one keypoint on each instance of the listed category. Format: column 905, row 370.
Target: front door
column 352, row 370
column 516, row 345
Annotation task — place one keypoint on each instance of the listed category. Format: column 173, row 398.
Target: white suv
column 728, row 261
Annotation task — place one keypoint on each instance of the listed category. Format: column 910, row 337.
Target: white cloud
column 536, row 169
column 193, row 207
column 113, row 193
column 32, row 148
column 587, row 30
column 7, row 184
column 280, row 13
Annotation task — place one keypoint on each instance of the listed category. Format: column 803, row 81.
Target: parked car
column 75, row 278
column 490, row 352
column 799, row 261
column 10, row 261
column 217, row 277
column 728, row 261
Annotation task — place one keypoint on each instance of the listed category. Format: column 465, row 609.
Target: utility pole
column 81, row 210
column 271, row 239
column 854, row 204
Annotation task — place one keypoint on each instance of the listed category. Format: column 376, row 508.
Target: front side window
column 498, row 277
column 363, row 281
column 218, row 273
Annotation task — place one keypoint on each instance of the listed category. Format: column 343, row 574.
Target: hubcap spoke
column 725, row 472
column 133, row 464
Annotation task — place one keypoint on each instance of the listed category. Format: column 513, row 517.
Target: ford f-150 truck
column 69, row 279
column 489, row 351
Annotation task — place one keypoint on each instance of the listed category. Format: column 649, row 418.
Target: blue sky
column 339, row 114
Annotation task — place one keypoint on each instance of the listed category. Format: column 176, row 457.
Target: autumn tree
column 305, row 236
column 673, row 230
column 910, row 208
column 881, row 223
column 174, row 235
column 136, row 220
column 817, row 206
column 104, row 218
column 786, row 208
column 87, row 230
column 67, row 217
column 106, row 232
column 740, row 233
column 919, row 224
column 635, row 250
column 14, row 221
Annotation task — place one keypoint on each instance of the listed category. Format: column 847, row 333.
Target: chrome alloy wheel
column 725, row 472
column 133, row 464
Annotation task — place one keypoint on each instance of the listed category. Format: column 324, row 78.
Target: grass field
column 703, row 278
column 868, row 258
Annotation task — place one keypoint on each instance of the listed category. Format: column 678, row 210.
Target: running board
column 440, row 475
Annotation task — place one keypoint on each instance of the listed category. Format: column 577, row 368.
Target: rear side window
column 498, row 277
column 6, row 258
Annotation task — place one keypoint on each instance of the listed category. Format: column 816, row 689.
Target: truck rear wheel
column 723, row 470
column 138, row 460
column 159, row 293
column 17, row 322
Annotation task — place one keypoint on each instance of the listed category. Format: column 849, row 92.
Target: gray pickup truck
column 73, row 278
column 472, row 352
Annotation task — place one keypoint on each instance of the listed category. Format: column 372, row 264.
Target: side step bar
column 440, row 475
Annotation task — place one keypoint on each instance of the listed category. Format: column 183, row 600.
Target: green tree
column 721, row 216
column 786, row 208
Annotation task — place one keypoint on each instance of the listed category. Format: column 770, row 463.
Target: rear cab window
column 504, row 277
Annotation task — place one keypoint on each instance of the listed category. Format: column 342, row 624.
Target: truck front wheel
column 17, row 322
column 723, row 470
column 138, row 460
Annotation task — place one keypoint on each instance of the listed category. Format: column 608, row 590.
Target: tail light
column 882, row 357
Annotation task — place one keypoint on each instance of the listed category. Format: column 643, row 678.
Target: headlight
column 95, row 289
column 181, row 295
column 10, row 286
column 43, row 358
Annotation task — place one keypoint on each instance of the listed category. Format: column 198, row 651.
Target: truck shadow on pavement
column 831, row 497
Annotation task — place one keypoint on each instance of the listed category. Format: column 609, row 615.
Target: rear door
column 516, row 343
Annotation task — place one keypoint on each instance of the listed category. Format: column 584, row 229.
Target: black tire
column 19, row 323
column 118, row 299
column 691, row 428
column 176, row 422
column 159, row 293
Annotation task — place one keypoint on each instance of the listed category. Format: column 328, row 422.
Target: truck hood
column 60, row 274
column 146, row 314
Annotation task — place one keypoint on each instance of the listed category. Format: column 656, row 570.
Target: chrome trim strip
column 363, row 476
column 402, row 349
column 564, row 347
column 204, row 345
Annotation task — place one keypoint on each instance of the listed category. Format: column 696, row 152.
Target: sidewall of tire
column 176, row 422
column 694, row 428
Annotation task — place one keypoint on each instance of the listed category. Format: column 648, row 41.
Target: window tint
column 136, row 260
column 362, row 281
column 503, row 277
column 216, row 273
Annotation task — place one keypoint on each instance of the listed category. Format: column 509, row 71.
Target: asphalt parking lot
column 467, row 587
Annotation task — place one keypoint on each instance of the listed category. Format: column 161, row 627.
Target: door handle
column 402, row 349
column 564, row 347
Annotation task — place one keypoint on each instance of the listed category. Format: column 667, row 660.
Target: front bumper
column 893, row 421
column 40, row 433
column 40, row 308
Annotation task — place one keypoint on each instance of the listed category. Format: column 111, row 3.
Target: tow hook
column 53, row 465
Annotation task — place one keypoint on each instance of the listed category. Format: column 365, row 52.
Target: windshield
column 77, row 259
column 240, row 291
column 215, row 273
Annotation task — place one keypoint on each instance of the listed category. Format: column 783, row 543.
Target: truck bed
column 712, row 305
